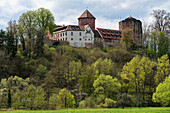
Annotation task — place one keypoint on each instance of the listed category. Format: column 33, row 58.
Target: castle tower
column 135, row 25
column 87, row 19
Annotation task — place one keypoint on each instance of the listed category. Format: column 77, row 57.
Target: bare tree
column 162, row 21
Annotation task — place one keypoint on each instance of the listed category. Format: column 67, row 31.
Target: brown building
column 87, row 19
column 109, row 37
column 135, row 25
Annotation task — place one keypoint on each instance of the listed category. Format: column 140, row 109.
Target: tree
column 34, row 97
column 124, row 100
column 45, row 19
column 149, row 67
column 39, row 75
column 2, row 39
column 106, row 87
column 105, row 66
column 12, row 86
column 163, row 44
column 163, row 69
column 162, row 92
column 153, row 45
column 133, row 76
column 162, row 21
column 66, row 99
column 54, row 101
column 126, row 39
column 27, row 24
column 22, row 39
column 12, row 38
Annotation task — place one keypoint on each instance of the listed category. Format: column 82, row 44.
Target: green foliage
column 126, row 39
column 133, row 75
column 163, row 44
column 124, row 100
column 54, row 102
column 66, row 99
column 109, row 103
column 162, row 92
column 89, row 102
column 45, row 19
column 34, row 97
column 163, row 69
column 105, row 66
column 106, row 87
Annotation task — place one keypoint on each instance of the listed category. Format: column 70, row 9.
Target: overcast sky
column 107, row 12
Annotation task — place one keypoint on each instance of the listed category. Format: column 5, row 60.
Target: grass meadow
column 114, row 110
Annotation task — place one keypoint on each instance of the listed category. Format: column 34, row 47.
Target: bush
column 109, row 103
column 87, row 103
column 124, row 100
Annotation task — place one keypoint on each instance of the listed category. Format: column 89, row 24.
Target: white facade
column 76, row 38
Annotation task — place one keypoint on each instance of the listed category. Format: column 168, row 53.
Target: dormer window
column 88, row 31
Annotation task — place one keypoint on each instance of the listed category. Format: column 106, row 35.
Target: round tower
column 135, row 25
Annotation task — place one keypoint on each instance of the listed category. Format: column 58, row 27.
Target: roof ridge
column 87, row 14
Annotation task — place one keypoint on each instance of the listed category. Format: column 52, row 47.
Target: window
column 71, row 33
column 71, row 38
column 63, row 34
column 66, row 33
column 60, row 35
column 79, row 33
column 89, row 39
column 88, row 31
column 84, row 23
column 108, row 34
column 85, row 39
column 80, row 39
column 66, row 39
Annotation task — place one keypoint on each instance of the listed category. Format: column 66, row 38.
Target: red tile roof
column 69, row 28
column 109, row 33
column 87, row 14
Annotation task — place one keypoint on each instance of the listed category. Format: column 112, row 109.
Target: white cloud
column 102, row 22
column 107, row 12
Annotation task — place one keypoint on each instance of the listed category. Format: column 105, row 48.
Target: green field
column 115, row 110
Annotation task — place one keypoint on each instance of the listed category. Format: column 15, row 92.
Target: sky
column 107, row 12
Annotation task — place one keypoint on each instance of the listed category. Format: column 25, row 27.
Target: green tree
column 133, row 76
column 126, row 39
column 163, row 69
column 105, row 66
column 39, row 75
column 13, row 85
column 34, row 97
column 54, row 102
column 163, row 44
column 153, row 44
column 106, row 87
column 162, row 92
column 124, row 100
column 66, row 99
column 149, row 67
column 45, row 19
column 2, row 39
column 27, row 23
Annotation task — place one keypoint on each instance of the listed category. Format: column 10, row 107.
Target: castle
column 85, row 34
